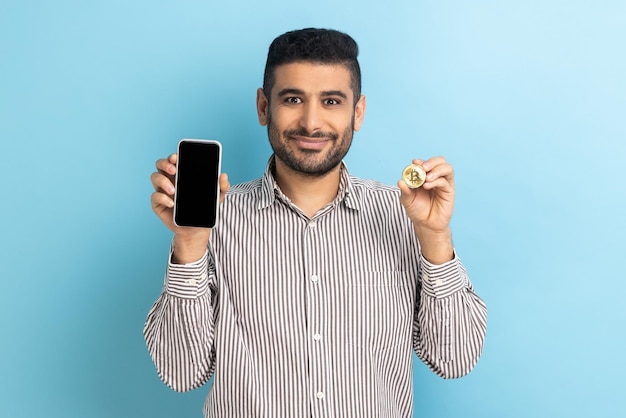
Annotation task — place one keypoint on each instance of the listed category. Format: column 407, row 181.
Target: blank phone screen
column 197, row 188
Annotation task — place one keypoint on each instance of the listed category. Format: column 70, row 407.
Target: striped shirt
column 313, row 317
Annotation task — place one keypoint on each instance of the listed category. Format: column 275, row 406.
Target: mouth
column 310, row 143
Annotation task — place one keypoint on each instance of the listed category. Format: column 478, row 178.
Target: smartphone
column 196, row 199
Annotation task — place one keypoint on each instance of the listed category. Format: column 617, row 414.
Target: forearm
column 189, row 248
column 450, row 321
column 436, row 246
column 180, row 328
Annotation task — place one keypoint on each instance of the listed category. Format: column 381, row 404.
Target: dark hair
column 320, row 46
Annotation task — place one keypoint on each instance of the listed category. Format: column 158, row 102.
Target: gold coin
column 414, row 176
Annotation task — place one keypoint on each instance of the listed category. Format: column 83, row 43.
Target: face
column 311, row 116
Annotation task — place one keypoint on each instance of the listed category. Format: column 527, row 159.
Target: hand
column 430, row 207
column 189, row 242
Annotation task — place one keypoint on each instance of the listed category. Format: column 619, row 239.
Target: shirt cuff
column 187, row 281
column 442, row 280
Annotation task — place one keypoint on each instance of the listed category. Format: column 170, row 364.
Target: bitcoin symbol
column 414, row 176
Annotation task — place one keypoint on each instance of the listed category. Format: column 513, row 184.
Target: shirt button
column 317, row 337
column 314, row 278
column 192, row 282
column 439, row 282
column 320, row 395
column 312, row 224
column 425, row 277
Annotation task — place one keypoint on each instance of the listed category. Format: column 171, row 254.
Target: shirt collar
column 348, row 194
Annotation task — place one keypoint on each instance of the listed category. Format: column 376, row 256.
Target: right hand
column 189, row 242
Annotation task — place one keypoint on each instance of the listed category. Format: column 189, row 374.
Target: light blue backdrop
column 526, row 98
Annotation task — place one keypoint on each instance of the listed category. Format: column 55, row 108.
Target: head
column 311, row 99
column 316, row 46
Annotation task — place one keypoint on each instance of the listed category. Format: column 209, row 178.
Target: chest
column 348, row 274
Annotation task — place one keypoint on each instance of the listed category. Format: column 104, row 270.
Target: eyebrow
column 325, row 93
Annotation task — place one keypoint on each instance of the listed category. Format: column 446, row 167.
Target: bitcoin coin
column 414, row 176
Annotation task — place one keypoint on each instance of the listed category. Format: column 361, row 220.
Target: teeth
column 414, row 176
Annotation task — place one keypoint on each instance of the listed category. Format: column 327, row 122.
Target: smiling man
column 311, row 115
column 314, row 288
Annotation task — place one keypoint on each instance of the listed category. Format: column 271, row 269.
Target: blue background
column 527, row 99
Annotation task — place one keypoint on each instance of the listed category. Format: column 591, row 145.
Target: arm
column 180, row 327
column 449, row 319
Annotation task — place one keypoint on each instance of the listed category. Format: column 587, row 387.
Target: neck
column 309, row 193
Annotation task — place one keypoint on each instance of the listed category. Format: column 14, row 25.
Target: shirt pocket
column 377, row 308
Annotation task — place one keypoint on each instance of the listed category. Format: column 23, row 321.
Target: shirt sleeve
column 450, row 320
column 180, row 328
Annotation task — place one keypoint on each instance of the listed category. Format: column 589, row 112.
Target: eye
column 293, row 100
column 332, row 102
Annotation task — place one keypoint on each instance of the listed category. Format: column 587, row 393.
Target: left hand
column 430, row 206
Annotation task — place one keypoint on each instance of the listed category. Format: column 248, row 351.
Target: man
column 307, row 297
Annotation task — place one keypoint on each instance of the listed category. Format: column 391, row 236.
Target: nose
column 311, row 118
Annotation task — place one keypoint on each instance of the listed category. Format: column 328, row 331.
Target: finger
column 433, row 162
column 406, row 193
column 224, row 186
column 162, row 183
column 160, row 199
column 441, row 183
column 443, row 170
column 167, row 166
column 224, row 183
column 404, row 189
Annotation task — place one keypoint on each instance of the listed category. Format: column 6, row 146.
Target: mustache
column 303, row 132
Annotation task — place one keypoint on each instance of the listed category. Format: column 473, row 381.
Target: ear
column 262, row 105
column 359, row 112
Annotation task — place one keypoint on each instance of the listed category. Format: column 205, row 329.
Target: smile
column 310, row 143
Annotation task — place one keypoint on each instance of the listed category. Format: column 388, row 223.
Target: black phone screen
column 197, row 183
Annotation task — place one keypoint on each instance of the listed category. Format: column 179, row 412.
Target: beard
column 313, row 163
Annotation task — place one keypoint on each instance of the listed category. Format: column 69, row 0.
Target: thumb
column 406, row 194
column 224, row 185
